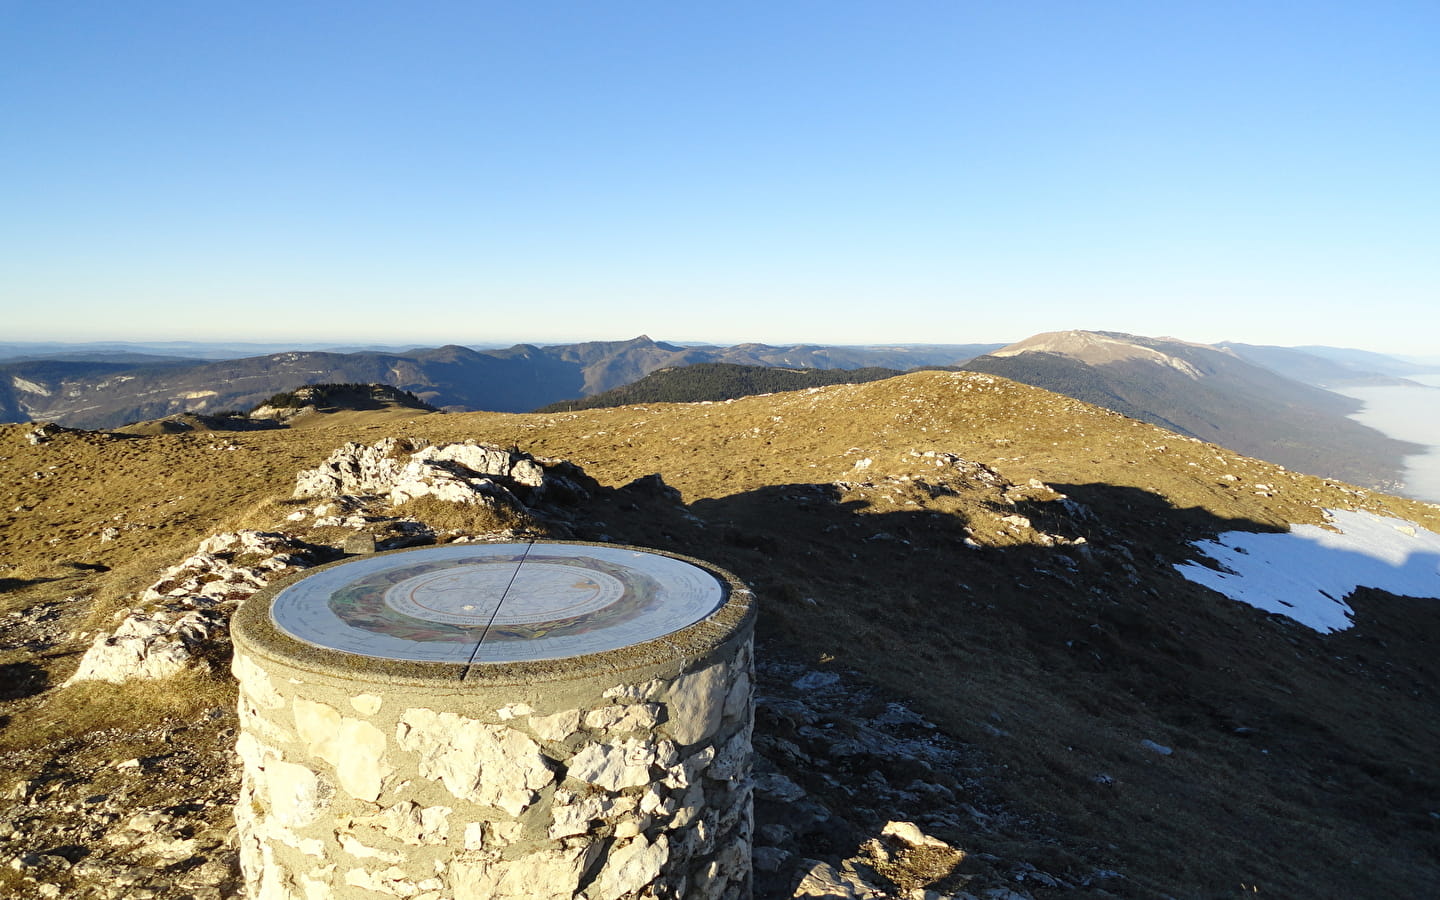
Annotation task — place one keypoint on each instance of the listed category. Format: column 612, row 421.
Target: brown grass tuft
column 468, row 519
column 92, row 706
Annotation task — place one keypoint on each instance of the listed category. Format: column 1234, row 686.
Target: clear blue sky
column 833, row 171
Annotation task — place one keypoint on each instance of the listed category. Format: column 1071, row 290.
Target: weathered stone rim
column 255, row 633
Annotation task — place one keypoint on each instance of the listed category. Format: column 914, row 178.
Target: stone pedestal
column 488, row 764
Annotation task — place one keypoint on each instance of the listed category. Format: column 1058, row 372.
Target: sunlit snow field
column 1307, row 573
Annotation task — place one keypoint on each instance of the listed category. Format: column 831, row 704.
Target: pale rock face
column 825, row 881
column 691, row 803
column 145, row 647
column 354, row 469
column 316, row 886
column 426, row 479
column 910, row 833
column 259, row 725
column 688, row 772
column 514, row 711
column 480, row 458
column 552, row 875
column 256, row 683
column 367, row 704
column 318, row 725
column 557, row 727
column 695, row 709
column 733, row 760
column 529, row 473
column 487, row 764
column 738, row 700
column 413, row 824
column 360, row 764
column 614, row 766
column 352, row 846
column 295, row 797
column 639, row 717
column 354, row 747
column 636, row 692
column 197, row 595
column 468, row 472
column 630, row 868
column 388, row 881
column 572, row 815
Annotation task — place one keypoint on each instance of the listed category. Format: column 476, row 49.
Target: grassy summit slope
column 1208, row 393
column 1302, row 763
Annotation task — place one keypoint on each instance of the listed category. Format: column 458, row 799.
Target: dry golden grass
column 1056, row 661
column 451, row 520
column 94, row 706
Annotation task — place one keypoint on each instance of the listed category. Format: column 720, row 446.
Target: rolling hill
column 948, row 563
column 718, row 381
column 105, row 393
column 1207, row 393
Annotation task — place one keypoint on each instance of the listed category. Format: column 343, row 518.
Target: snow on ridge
column 1308, row 572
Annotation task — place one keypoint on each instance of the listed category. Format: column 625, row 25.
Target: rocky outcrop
column 396, row 470
column 45, row 432
column 181, row 621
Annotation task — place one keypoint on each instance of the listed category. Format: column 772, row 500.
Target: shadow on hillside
column 22, row 679
column 1060, row 658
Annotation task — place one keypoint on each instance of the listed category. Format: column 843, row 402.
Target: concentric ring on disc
column 496, row 602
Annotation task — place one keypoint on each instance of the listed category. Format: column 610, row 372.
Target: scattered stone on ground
column 181, row 622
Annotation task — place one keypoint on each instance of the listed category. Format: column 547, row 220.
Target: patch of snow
column 1307, row 573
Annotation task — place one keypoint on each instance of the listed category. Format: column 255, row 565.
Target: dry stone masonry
column 619, row 773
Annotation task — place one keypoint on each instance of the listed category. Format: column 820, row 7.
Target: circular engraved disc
column 496, row 602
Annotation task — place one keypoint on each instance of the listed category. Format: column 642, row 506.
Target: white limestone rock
column 733, row 759
column 572, row 814
column 413, row 824
column 825, row 882
column 489, row 764
column 390, row 881
column 648, row 690
column 614, row 766
column 630, row 868
column 687, row 772
column 185, row 619
column 420, row 478
column 910, row 834
column 551, row 875
column 355, row 469
column 695, row 704
column 352, row 845
column 255, row 683
column 149, row 646
column 737, row 701
column 353, row 746
column 401, row 470
column 620, row 719
column 367, row 704
column 556, row 727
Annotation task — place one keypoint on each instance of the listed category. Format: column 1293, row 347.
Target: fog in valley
column 1409, row 414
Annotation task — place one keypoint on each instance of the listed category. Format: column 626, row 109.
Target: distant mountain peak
column 1101, row 347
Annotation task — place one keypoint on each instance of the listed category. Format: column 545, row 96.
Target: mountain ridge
column 513, row 379
column 1210, row 393
column 923, row 532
